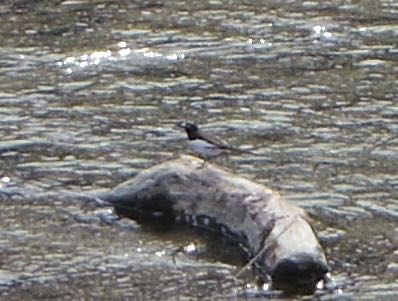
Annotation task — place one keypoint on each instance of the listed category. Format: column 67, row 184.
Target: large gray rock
column 276, row 234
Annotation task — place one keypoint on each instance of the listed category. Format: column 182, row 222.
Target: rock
column 275, row 233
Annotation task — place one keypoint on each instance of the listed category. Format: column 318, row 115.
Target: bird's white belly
column 204, row 149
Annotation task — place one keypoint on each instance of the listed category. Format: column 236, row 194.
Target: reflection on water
column 97, row 57
column 5, row 180
column 91, row 92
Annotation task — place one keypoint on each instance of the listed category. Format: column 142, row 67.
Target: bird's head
column 191, row 129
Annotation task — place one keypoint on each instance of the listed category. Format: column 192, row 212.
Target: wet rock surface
column 90, row 93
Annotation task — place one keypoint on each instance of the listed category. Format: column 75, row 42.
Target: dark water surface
column 89, row 95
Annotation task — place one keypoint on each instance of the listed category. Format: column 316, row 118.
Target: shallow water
column 90, row 92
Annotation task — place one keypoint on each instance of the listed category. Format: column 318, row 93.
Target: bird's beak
column 181, row 124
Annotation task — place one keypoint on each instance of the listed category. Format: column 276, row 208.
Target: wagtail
column 205, row 145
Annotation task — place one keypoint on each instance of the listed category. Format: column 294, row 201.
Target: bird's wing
column 215, row 141
column 221, row 144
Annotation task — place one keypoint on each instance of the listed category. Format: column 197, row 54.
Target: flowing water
column 90, row 92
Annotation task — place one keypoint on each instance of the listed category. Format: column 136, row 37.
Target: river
column 90, row 93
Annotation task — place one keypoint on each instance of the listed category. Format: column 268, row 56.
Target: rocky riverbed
column 90, row 92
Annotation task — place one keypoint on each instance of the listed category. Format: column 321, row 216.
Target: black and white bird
column 206, row 145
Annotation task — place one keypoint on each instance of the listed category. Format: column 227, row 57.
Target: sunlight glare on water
column 6, row 179
column 97, row 57
column 190, row 248
column 321, row 32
